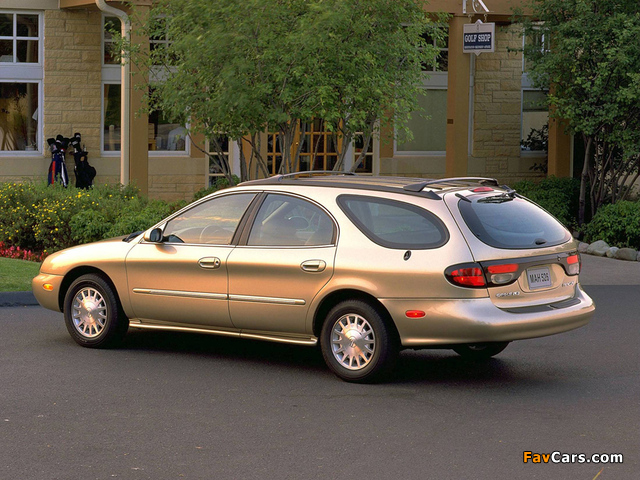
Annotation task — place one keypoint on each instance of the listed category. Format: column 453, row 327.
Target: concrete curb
column 17, row 299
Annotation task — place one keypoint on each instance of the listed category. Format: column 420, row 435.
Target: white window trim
column 15, row 72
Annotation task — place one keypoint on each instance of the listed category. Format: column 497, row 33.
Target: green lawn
column 16, row 275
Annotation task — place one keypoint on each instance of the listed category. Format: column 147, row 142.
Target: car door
column 281, row 263
column 183, row 278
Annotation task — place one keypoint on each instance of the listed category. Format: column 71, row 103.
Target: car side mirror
column 153, row 236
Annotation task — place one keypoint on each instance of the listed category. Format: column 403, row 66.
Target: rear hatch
column 527, row 257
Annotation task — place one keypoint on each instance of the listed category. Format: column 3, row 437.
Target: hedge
column 46, row 218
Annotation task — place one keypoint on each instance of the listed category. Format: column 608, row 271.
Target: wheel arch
column 76, row 273
column 337, row 296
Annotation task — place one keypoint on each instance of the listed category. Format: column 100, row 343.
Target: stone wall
column 497, row 112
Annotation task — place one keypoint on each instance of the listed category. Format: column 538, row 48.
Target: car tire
column 93, row 314
column 480, row 351
column 357, row 343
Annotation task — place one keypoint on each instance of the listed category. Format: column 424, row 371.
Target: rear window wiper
column 507, row 196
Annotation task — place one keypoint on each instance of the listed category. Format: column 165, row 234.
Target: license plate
column 539, row 277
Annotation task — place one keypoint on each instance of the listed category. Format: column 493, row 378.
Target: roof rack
column 417, row 187
column 311, row 173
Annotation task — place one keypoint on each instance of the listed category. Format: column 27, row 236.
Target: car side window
column 394, row 224
column 211, row 222
column 290, row 221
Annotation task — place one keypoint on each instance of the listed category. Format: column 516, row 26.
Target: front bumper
column 47, row 298
column 451, row 321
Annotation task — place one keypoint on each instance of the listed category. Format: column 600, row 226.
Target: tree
column 245, row 68
column 588, row 59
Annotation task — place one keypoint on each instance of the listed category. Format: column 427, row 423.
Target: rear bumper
column 478, row 320
column 47, row 298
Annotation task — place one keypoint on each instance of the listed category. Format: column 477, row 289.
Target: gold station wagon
column 364, row 266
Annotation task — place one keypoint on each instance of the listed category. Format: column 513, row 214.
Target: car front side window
column 212, row 222
column 288, row 221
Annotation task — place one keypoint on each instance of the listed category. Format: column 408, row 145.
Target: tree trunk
column 583, row 181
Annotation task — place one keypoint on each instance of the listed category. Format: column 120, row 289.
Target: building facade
column 57, row 77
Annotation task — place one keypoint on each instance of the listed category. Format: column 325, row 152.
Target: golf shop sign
column 479, row 37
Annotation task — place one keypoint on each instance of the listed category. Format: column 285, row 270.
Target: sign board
column 479, row 37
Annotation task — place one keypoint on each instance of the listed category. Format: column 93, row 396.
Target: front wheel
column 480, row 351
column 357, row 344
column 92, row 313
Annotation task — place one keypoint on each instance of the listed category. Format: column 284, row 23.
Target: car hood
column 97, row 254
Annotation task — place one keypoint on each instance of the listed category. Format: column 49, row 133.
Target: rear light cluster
column 474, row 275
column 466, row 275
column 573, row 264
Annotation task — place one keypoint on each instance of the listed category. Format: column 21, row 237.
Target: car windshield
column 513, row 224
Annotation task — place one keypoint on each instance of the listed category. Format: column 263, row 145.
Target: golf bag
column 85, row 173
column 58, row 168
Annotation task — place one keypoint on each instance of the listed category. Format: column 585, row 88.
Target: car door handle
column 313, row 265
column 209, row 263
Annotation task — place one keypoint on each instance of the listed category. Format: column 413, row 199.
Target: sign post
column 479, row 37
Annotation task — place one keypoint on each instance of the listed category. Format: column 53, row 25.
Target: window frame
column 19, row 72
column 248, row 227
column 239, row 229
column 429, row 216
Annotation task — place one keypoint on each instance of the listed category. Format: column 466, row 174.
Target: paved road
column 169, row 406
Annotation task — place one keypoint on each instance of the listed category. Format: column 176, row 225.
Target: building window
column 367, row 162
column 111, row 114
column 216, row 158
column 166, row 136
column 19, row 116
column 441, row 63
column 534, row 135
column 109, row 55
column 20, row 82
column 19, row 38
column 429, row 134
column 159, row 43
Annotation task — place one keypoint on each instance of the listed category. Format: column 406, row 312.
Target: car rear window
column 512, row 224
column 394, row 224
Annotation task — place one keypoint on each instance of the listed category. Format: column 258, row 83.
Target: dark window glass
column 27, row 25
column 394, row 224
column 513, row 224
column 211, row 222
column 111, row 119
column 288, row 222
column 6, row 51
column 6, row 25
column 27, row 51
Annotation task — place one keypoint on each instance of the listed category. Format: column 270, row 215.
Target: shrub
column 46, row 218
column 559, row 196
column 617, row 224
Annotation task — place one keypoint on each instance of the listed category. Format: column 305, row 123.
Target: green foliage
column 46, row 218
column 559, row 196
column 243, row 68
column 221, row 182
column 617, row 224
column 585, row 53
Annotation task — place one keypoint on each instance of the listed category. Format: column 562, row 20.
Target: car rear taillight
column 574, row 264
column 466, row 275
column 502, row 274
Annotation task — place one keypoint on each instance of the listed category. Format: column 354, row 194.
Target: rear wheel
column 480, row 351
column 357, row 344
column 92, row 313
